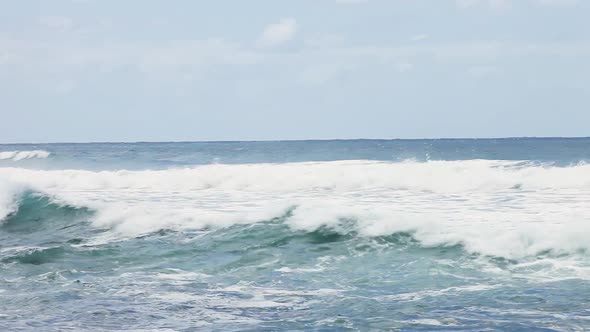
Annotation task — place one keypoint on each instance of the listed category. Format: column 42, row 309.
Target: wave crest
column 505, row 209
column 22, row 155
column 339, row 176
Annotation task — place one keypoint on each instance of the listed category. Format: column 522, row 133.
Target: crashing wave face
column 496, row 208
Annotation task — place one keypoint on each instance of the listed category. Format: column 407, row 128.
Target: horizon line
column 301, row 140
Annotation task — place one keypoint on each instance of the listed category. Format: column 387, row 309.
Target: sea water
column 465, row 234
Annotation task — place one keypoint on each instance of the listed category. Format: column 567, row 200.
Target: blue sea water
column 410, row 235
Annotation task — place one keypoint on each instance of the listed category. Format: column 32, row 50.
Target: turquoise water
column 411, row 235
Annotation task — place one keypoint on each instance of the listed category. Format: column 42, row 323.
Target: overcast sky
column 100, row 70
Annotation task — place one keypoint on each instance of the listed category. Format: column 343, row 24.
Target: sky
column 192, row 70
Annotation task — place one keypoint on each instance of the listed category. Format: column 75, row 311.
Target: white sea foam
column 21, row 155
column 508, row 209
column 451, row 291
column 8, row 194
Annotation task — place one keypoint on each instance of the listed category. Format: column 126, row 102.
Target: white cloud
column 278, row 33
column 170, row 61
column 24, row 56
column 23, row 53
column 419, row 37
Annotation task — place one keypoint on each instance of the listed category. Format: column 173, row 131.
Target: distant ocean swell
column 22, row 155
column 510, row 210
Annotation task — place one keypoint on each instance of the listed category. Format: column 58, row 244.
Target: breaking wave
column 497, row 208
column 336, row 176
column 22, row 155
column 31, row 212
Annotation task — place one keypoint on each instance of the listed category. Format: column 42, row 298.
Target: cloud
column 66, row 66
column 24, row 54
column 419, row 37
column 278, row 33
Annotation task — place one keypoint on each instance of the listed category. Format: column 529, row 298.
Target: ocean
column 358, row 235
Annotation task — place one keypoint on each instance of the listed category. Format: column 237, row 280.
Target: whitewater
column 316, row 235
